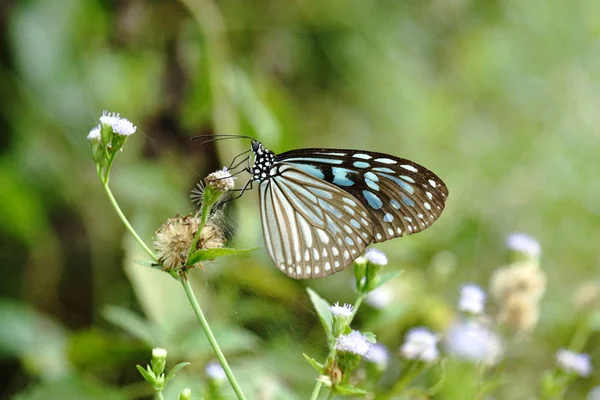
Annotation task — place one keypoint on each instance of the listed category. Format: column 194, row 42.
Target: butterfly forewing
column 312, row 228
column 401, row 197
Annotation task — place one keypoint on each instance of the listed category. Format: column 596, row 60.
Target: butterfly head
column 263, row 162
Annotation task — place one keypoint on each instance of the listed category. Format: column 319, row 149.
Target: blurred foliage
column 500, row 98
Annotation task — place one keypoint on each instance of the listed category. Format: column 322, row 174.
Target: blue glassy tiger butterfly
column 320, row 208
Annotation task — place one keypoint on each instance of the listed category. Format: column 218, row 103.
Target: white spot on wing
column 385, row 160
column 432, row 183
column 409, row 167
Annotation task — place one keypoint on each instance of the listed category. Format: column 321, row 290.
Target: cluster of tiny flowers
column 215, row 371
column 378, row 354
column 344, row 311
column 354, row 342
column 120, row 126
column 570, row 361
column 94, row 133
column 420, row 344
column 381, row 297
column 376, row 256
column 474, row 341
column 524, row 244
column 472, row 299
column 220, row 180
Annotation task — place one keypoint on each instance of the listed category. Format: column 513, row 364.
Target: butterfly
column 321, row 208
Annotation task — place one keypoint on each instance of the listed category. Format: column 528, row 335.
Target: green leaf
column 349, row 390
column 384, row 278
column 131, row 323
column 371, row 338
column 211, row 254
column 147, row 375
column 319, row 367
column 175, row 370
column 322, row 308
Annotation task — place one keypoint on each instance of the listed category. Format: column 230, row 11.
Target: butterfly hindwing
column 401, row 197
column 312, row 228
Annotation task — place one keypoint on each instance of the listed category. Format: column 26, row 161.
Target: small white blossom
column 474, row 341
column 344, row 311
column 378, row 354
column 354, row 342
column 221, row 179
column 159, row 353
column 594, row 394
column 523, row 243
column 215, row 371
column 109, row 118
column 420, row 344
column 94, row 133
column 376, row 256
column 472, row 299
column 123, row 127
column 569, row 361
column 381, row 297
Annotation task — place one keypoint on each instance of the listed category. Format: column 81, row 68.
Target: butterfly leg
column 241, row 162
column 247, row 186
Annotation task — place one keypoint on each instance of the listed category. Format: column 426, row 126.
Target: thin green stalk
column 203, row 217
column 159, row 395
column 331, row 395
column 211, row 338
column 115, row 205
column 316, row 390
column 331, row 356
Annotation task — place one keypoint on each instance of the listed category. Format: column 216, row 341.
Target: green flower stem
column 331, row 356
column 115, row 205
column 206, row 206
column 316, row 390
column 159, row 395
column 331, row 395
column 211, row 338
column 410, row 374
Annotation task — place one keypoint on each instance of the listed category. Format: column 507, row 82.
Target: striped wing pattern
column 312, row 228
column 401, row 197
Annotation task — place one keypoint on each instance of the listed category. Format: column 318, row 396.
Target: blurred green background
column 499, row 98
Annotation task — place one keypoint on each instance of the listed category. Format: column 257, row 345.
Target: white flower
column 594, row 394
column 523, row 243
column 420, row 344
column 215, row 371
column 378, row 354
column 343, row 311
column 108, row 118
column 569, row 361
column 380, row 297
column 159, row 353
column 123, row 127
column 94, row 133
column 376, row 256
column 221, row 179
column 474, row 341
column 472, row 299
column 354, row 342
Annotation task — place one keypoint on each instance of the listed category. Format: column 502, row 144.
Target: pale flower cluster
column 420, row 344
column 518, row 289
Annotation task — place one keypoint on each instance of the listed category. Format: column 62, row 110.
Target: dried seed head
column 586, row 295
column 519, row 313
column 523, row 278
column 174, row 238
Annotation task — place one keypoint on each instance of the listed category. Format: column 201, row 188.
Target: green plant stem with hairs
column 206, row 207
column 331, row 356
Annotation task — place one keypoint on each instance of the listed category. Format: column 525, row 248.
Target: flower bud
column 341, row 317
column 159, row 360
column 185, row 394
